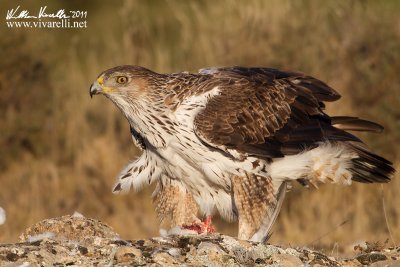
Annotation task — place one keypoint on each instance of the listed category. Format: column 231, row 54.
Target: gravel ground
column 79, row 241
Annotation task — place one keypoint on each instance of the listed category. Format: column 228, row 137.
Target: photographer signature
column 24, row 14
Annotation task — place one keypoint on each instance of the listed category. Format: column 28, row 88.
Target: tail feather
column 355, row 124
column 369, row 167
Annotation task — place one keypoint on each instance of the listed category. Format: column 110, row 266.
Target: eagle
column 229, row 140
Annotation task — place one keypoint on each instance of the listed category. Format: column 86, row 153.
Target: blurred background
column 60, row 151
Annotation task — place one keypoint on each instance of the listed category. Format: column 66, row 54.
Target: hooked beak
column 95, row 89
column 98, row 87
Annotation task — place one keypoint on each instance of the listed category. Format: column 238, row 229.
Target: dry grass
column 61, row 151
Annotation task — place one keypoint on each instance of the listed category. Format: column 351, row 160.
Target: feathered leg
column 256, row 204
column 175, row 202
column 263, row 233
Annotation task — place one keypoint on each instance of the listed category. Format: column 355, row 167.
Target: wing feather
column 266, row 112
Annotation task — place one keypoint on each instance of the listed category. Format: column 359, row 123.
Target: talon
column 202, row 227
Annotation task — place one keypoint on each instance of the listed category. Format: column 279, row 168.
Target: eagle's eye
column 121, row 79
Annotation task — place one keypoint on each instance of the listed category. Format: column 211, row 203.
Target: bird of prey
column 230, row 139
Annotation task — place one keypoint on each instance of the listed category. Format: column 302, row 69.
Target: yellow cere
column 107, row 89
column 104, row 89
column 100, row 80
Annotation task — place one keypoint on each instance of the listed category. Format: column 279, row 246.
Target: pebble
column 126, row 254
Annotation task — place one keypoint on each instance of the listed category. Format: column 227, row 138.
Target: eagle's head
column 129, row 87
column 139, row 93
column 127, row 82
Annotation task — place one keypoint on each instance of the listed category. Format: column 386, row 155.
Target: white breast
column 204, row 172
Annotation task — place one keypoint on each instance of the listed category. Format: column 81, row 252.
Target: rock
column 175, row 252
column 369, row 258
column 79, row 241
column 386, row 263
column 287, row 260
column 208, row 247
column 164, row 259
column 352, row 263
column 79, row 228
column 128, row 254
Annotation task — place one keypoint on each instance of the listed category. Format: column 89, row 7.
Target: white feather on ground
column 2, row 216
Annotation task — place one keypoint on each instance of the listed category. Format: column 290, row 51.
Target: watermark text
column 42, row 18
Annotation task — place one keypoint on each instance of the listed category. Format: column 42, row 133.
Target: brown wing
column 266, row 112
